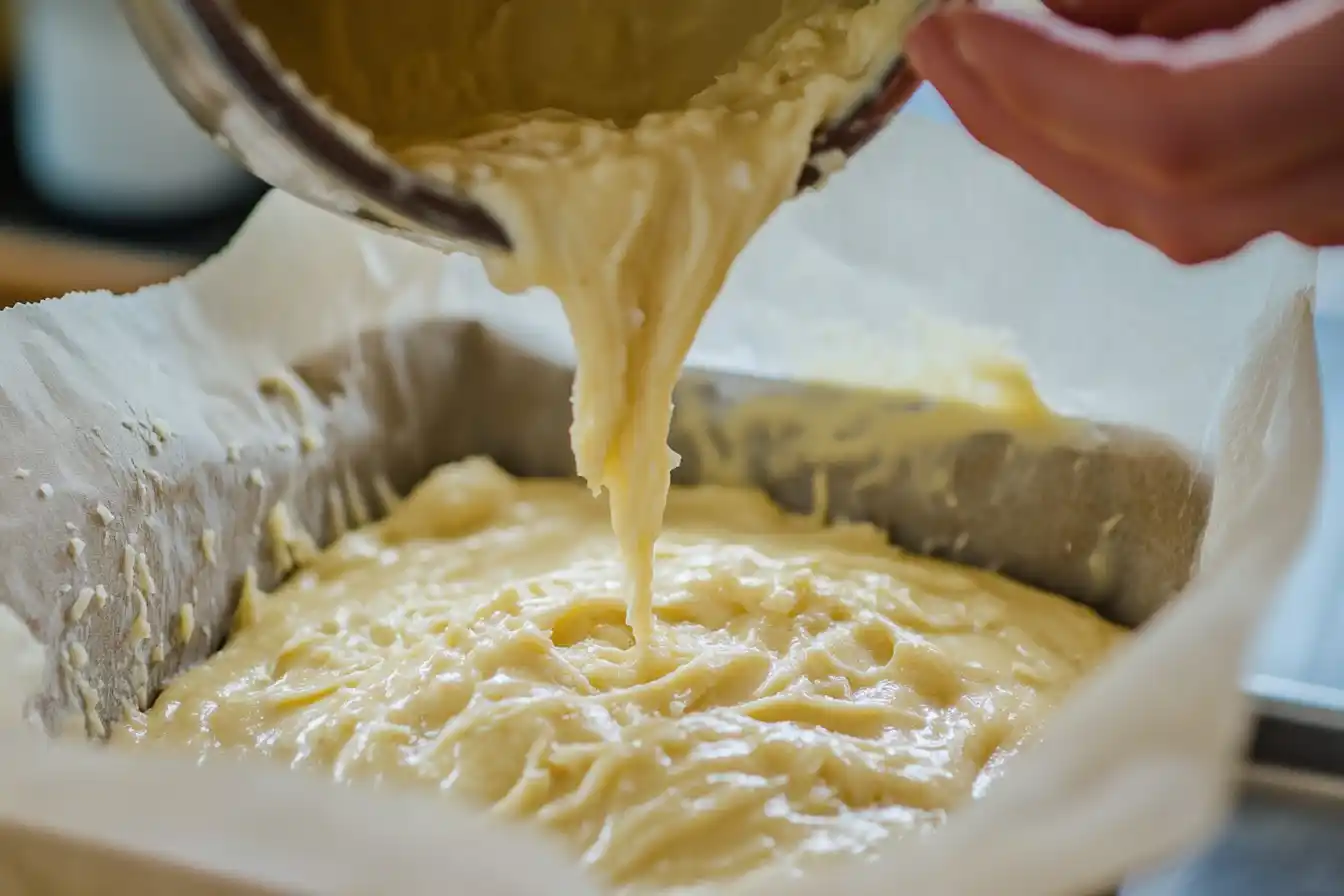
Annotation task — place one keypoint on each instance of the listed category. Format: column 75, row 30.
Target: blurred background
column 104, row 182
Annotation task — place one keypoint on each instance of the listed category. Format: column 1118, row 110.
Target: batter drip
column 810, row 691
column 630, row 149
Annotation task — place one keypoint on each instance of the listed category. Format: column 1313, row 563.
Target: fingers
column 933, row 51
column 1208, row 229
column 1074, row 96
column 1190, row 228
column 1153, row 113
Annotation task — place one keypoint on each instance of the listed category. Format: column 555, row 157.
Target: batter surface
column 629, row 148
column 805, row 693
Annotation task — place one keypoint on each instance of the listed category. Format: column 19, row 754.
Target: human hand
column 1195, row 125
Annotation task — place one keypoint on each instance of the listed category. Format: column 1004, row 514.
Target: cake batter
column 630, row 149
column 806, row 693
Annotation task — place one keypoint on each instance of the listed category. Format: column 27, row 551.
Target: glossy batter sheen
column 806, row 693
column 631, row 149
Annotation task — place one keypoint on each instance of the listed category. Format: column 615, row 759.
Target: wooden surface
column 6, row 40
column 35, row 267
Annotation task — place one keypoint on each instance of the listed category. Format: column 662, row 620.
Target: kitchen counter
column 1285, row 840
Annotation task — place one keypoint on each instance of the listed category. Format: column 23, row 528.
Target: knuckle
column 1174, row 155
column 1172, row 143
column 1191, row 246
column 1107, row 216
column 987, row 136
column 1181, row 247
column 1176, row 234
column 1189, row 252
column 1317, row 234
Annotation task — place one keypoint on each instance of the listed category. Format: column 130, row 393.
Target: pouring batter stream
column 631, row 150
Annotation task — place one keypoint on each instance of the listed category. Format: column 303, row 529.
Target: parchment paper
column 924, row 261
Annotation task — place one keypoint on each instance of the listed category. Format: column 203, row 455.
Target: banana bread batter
column 630, row 149
column 805, row 691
